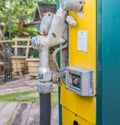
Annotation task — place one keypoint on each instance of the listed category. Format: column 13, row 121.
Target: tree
column 13, row 12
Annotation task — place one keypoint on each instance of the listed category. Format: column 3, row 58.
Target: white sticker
column 82, row 40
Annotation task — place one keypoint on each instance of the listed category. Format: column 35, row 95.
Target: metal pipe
column 44, row 73
column 43, row 43
column 43, row 56
column 45, row 109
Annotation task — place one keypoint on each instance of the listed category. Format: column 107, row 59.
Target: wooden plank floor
column 24, row 113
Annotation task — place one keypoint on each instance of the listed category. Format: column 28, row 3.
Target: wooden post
column 15, row 46
column 27, row 48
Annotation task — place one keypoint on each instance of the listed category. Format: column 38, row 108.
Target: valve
column 75, row 5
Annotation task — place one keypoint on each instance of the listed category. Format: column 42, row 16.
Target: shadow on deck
column 24, row 113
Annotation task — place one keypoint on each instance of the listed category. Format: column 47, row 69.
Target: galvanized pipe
column 43, row 43
column 43, row 57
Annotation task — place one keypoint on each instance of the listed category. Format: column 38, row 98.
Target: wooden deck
column 24, row 113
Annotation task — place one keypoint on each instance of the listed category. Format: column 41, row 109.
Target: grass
column 12, row 96
column 32, row 99
column 54, row 98
column 55, row 88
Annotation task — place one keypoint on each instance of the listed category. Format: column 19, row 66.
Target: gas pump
column 91, row 51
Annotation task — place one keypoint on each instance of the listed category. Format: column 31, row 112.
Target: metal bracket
column 57, row 75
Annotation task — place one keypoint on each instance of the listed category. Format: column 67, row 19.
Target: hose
column 54, row 55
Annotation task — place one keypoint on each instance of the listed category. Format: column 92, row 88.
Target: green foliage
column 14, row 11
column 33, row 53
column 47, row 1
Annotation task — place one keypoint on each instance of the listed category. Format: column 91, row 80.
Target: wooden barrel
column 33, row 65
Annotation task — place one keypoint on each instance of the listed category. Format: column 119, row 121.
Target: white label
column 82, row 40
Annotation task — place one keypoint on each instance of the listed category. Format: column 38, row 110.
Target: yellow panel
column 69, row 118
column 83, row 107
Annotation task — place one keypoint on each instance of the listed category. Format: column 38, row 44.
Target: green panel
column 60, row 107
column 99, row 62
column 108, row 62
column 58, row 4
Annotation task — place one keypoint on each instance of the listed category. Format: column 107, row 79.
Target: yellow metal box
column 75, row 108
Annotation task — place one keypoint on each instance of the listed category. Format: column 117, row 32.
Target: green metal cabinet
column 108, row 62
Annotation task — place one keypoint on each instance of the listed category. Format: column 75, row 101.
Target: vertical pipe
column 43, row 57
column 45, row 98
column 45, row 109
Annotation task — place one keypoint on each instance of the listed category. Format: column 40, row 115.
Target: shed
column 43, row 8
column 40, row 9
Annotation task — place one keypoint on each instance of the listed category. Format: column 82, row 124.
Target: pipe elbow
column 56, row 41
column 38, row 42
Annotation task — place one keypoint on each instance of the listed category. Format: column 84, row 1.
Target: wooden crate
column 33, row 65
column 18, row 64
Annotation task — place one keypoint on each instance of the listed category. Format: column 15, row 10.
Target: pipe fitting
column 44, row 74
column 44, row 87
